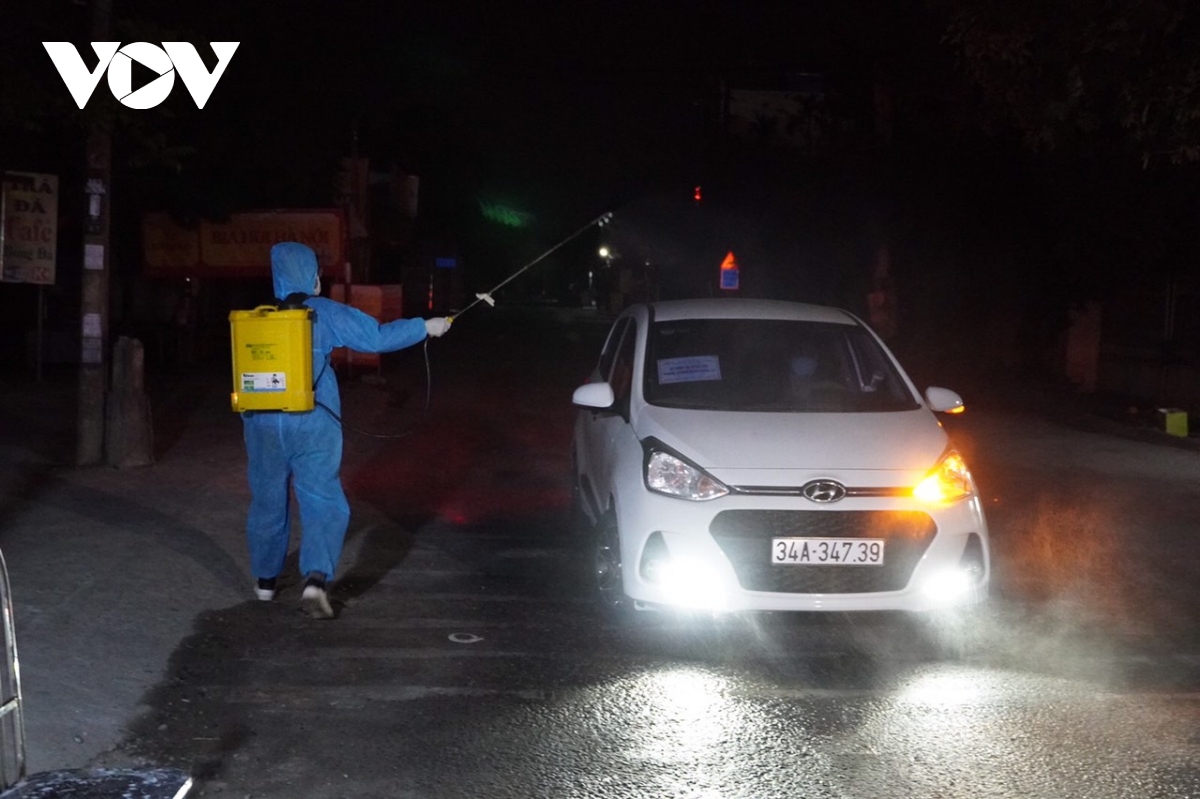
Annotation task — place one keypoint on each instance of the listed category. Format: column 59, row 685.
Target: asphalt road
column 467, row 660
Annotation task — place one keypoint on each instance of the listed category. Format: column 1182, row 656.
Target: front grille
column 745, row 537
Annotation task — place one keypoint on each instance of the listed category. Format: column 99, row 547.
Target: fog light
column 964, row 584
column 691, row 584
column 950, row 587
column 686, row 582
column 655, row 556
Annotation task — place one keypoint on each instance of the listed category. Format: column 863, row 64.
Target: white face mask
column 317, row 287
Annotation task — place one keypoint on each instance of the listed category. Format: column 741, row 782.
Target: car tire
column 611, row 601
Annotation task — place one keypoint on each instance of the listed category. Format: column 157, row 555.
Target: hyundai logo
column 824, row 490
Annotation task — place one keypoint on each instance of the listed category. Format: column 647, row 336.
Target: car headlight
column 949, row 481
column 675, row 477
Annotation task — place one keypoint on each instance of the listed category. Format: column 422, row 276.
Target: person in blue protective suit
column 303, row 450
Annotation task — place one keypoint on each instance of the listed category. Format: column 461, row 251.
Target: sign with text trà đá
column 28, row 227
column 241, row 245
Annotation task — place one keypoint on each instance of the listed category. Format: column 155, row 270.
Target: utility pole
column 94, row 284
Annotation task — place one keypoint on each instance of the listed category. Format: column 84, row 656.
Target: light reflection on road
column 741, row 726
column 689, row 717
column 948, row 689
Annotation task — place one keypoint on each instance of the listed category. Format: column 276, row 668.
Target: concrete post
column 129, row 433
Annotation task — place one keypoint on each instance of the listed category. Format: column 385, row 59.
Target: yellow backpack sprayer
column 272, row 358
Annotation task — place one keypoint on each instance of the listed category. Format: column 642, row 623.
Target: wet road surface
column 467, row 659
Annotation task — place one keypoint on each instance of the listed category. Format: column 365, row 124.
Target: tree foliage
column 1093, row 75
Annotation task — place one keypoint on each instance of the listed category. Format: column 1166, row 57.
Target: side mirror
column 598, row 396
column 943, row 400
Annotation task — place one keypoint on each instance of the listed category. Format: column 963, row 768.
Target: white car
column 758, row 455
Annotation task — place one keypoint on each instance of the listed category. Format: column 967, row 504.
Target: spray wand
column 486, row 296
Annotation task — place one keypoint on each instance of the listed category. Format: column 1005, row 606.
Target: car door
column 596, row 429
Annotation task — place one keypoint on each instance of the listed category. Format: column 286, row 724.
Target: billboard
column 28, row 227
column 241, row 245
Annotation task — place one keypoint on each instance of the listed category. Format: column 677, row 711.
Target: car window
column 621, row 378
column 609, row 352
column 771, row 365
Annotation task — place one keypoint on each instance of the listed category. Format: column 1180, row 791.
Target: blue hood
column 293, row 268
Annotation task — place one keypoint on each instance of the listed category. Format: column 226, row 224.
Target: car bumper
column 681, row 554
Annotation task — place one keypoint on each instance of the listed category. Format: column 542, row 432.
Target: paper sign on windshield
column 692, row 369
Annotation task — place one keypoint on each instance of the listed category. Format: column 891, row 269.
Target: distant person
column 303, row 450
column 184, row 321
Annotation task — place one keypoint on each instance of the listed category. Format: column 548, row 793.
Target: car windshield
column 770, row 365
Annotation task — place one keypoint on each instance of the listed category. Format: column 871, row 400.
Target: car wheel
column 606, row 569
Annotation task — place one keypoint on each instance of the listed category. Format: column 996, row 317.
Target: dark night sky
column 568, row 109
column 559, row 110
column 574, row 99
column 566, row 104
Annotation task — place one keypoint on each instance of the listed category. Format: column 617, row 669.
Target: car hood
column 728, row 443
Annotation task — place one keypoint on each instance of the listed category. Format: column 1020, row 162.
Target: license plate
column 828, row 551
